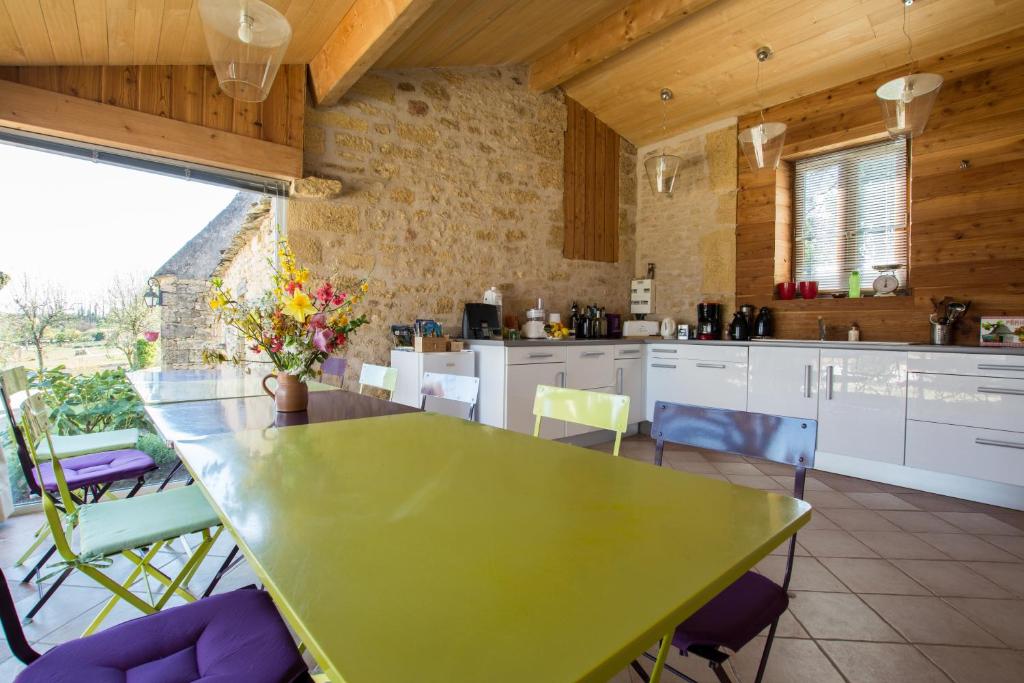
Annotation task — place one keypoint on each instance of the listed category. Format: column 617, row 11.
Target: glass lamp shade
column 907, row 103
column 661, row 172
column 762, row 145
column 247, row 40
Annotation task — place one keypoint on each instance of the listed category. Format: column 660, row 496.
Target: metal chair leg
column 224, row 569
column 767, row 649
column 47, row 595
column 39, row 565
column 174, row 470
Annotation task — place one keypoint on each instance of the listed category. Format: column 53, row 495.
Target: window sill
column 845, row 303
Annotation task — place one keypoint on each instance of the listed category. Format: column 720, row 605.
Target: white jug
column 668, row 328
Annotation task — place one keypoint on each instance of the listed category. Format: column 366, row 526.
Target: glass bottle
column 854, row 284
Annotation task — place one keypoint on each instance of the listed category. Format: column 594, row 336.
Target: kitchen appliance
column 480, row 321
column 614, row 325
column 764, row 328
column 887, row 283
column 709, row 321
column 533, row 329
column 738, row 330
column 493, row 296
column 640, row 328
column 641, row 297
column 668, row 328
column 749, row 311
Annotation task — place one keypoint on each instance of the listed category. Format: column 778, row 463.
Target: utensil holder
column 942, row 334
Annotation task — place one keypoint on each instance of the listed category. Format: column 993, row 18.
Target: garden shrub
column 81, row 404
column 145, row 353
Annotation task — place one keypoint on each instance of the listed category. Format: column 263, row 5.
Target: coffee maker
column 709, row 321
column 480, row 321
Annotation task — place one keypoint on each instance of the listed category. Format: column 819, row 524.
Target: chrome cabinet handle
column 662, row 365
column 716, row 366
column 449, row 365
column 561, row 378
column 997, row 390
column 992, row 366
column 1002, row 444
column 540, row 355
column 665, row 350
column 630, row 351
column 808, row 369
column 621, row 382
column 829, row 374
column 592, row 354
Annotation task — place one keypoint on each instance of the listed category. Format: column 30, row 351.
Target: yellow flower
column 301, row 276
column 218, row 301
column 299, row 306
column 365, row 287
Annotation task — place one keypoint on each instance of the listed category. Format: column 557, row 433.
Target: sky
column 77, row 223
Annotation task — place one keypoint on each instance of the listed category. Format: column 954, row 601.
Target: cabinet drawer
column 714, row 384
column 462, row 363
column 987, row 402
column 662, row 382
column 629, row 351
column 980, row 364
column 590, row 367
column 667, row 351
column 714, row 352
column 518, row 355
column 966, row 451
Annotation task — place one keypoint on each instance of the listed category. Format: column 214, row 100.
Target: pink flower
column 276, row 344
column 255, row 348
column 317, row 322
column 325, row 293
column 339, row 299
column 292, row 286
column 323, row 340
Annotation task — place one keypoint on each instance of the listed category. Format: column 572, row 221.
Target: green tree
column 127, row 316
column 40, row 308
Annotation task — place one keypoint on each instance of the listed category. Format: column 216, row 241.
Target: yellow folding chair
column 378, row 377
column 590, row 408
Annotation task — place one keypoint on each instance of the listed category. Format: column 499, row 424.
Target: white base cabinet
column 783, row 381
column 412, row 365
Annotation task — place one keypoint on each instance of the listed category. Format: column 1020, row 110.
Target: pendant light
column 762, row 143
column 907, row 102
column 663, row 168
column 247, row 40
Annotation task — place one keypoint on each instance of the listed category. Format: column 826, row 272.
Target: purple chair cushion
column 733, row 617
column 236, row 637
column 96, row 468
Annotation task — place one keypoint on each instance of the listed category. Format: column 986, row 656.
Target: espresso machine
column 709, row 321
column 480, row 321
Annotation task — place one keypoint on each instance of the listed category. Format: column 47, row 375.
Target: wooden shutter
column 591, row 187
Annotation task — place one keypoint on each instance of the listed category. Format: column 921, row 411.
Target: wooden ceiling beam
column 365, row 33
column 610, row 36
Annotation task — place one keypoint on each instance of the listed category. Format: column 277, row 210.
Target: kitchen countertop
column 877, row 346
column 551, row 342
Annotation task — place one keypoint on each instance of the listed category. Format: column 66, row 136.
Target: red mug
column 809, row 289
column 787, row 290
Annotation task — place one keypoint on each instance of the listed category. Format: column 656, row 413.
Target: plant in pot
column 293, row 325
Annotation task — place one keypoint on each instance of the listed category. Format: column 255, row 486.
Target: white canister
column 554, row 318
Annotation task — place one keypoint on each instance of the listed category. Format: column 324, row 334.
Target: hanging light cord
column 757, row 88
column 910, row 42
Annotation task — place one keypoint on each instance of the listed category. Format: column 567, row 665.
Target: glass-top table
column 178, row 386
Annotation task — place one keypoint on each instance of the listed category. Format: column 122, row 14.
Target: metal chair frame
column 456, row 388
column 590, row 408
column 333, row 370
column 378, row 377
column 784, row 440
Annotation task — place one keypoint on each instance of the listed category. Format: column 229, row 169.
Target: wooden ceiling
column 612, row 56
column 95, row 32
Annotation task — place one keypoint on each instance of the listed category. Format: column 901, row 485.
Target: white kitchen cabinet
column 412, row 365
column 590, row 367
column 664, row 382
column 629, row 381
column 968, row 400
column 783, row 381
column 989, row 454
column 862, row 404
column 520, row 388
column 713, row 383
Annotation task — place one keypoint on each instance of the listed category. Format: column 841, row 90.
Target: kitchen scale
column 887, row 283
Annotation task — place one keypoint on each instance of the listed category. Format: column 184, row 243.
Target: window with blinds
column 850, row 213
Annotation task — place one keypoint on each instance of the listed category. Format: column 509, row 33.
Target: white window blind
column 850, row 213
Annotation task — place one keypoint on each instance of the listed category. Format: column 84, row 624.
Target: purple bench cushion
column 236, row 637
column 733, row 617
column 97, row 468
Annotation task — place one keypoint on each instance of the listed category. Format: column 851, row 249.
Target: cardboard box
column 1002, row 332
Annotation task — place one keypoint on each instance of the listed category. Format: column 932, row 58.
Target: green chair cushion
column 82, row 444
column 110, row 527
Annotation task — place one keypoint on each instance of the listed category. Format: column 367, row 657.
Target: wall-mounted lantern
column 153, row 296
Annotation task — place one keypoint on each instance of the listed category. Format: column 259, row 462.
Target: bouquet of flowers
column 295, row 325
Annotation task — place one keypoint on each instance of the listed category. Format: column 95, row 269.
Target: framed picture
column 1002, row 332
column 683, row 332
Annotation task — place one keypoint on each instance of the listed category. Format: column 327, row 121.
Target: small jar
column 854, row 333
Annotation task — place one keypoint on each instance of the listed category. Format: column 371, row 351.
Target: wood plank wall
column 184, row 93
column 591, row 187
column 967, row 224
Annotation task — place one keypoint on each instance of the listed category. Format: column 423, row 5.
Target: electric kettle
column 668, row 328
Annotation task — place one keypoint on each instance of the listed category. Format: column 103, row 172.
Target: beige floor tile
column 873, row 576
column 848, row 484
column 790, row 661
column 882, row 663
column 950, row 579
column 772, row 468
column 810, row 483
column 825, row 543
column 830, row 499
column 934, row 503
column 977, row 665
column 859, row 519
column 783, row 549
column 882, row 501
column 1006, row 574
column 712, row 456
column 979, row 523
column 788, row 627
column 808, row 574
column 694, row 467
column 966, row 547
column 1002, row 618
column 918, row 520
column 840, row 616
column 729, row 468
column 1011, row 544
column 673, row 457
column 925, row 619
column 819, row 521
column 898, row 545
column 754, row 481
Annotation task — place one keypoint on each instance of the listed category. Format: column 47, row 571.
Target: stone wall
column 186, row 323
column 450, row 182
column 691, row 236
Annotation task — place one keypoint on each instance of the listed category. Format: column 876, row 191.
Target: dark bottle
column 583, row 327
column 574, row 318
column 738, row 329
column 763, row 328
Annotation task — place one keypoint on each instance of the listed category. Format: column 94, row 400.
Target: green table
column 156, row 387
column 425, row 548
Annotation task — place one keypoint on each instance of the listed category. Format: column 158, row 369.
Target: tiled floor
column 889, row 585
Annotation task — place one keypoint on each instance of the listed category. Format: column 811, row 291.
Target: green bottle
column 855, row 284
